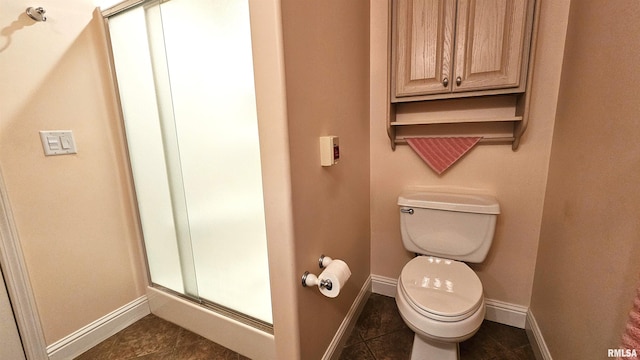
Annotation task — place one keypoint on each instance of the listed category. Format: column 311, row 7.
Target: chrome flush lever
column 37, row 14
column 407, row 211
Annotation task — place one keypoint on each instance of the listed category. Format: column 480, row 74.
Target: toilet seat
column 441, row 289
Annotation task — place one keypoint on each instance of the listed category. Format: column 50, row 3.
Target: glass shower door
column 185, row 76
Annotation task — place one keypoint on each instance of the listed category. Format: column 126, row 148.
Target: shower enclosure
column 185, row 78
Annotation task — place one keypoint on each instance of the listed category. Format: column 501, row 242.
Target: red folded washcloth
column 442, row 152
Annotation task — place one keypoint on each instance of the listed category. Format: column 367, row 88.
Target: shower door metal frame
column 271, row 90
column 217, row 308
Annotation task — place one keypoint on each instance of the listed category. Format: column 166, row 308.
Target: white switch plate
column 58, row 142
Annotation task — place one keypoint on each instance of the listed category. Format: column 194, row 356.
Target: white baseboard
column 506, row 313
column 91, row 335
column 341, row 336
column 383, row 285
column 498, row 311
column 539, row 346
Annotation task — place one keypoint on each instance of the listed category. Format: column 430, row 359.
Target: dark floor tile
column 167, row 354
column 482, row 346
column 380, row 316
column 354, row 338
column 392, row 346
column 147, row 336
column 187, row 337
column 523, row 353
column 509, row 336
column 358, row 351
column 204, row 350
column 154, row 338
column 100, row 351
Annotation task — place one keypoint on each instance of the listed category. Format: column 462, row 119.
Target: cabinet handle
column 458, row 80
column 445, row 82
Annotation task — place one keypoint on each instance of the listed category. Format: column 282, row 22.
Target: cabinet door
column 423, row 36
column 489, row 44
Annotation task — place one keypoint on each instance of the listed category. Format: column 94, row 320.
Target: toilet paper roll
column 338, row 273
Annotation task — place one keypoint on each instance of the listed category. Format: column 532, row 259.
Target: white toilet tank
column 448, row 225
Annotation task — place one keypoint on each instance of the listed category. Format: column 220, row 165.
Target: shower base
column 230, row 333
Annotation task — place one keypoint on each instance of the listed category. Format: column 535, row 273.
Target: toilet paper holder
column 309, row 279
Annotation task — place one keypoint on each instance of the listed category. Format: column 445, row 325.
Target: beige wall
column 72, row 213
column 516, row 178
column 327, row 77
column 587, row 268
column 77, row 225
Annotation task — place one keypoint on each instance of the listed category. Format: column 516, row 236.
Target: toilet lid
column 444, row 289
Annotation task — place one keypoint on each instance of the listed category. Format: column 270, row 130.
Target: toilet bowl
column 439, row 296
column 442, row 302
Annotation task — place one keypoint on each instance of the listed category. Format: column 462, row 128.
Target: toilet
column 438, row 295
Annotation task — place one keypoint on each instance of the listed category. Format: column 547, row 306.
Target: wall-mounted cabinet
column 460, row 49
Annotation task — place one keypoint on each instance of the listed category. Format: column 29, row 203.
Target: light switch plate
column 58, row 142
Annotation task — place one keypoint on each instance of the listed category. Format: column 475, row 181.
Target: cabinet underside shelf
column 496, row 119
column 506, row 129
column 485, row 140
column 497, row 131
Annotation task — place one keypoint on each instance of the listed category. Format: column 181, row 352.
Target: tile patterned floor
column 380, row 334
column 154, row 338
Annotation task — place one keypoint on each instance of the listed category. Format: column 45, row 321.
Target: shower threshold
column 222, row 310
column 245, row 335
